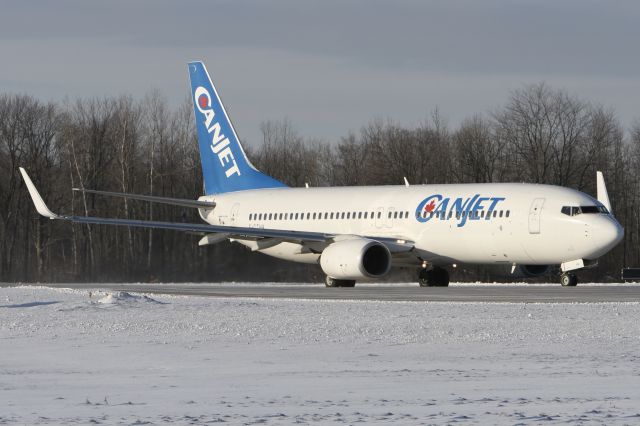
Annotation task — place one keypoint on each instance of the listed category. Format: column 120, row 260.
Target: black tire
column 442, row 277
column 333, row 282
column 423, row 278
column 568, row 280
column 436, row 277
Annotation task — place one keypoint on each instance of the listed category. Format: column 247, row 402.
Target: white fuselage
column 463, row 223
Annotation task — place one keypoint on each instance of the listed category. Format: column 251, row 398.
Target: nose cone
column 606, row 235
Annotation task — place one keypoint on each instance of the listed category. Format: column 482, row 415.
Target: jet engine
column 355, row 259
column 530, row 271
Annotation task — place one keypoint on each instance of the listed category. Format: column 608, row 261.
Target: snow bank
column 124, row 298
column 67, row 358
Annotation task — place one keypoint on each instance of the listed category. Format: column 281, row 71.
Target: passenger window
column 342, row 215
column 395, row 215
column 379, row 215
column 508, row 213
column 495, row 213
column 359, row 215
column 366, row 214
column 500, row 213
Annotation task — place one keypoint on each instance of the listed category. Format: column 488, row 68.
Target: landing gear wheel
column 436, row 277
column 568, row 279
column 333, row 282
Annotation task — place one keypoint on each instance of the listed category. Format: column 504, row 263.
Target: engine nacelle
column 355, row 259
column 530, row 271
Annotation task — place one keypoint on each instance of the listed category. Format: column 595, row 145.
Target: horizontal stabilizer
column 154, row 199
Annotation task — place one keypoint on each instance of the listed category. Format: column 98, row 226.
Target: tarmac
column 503, row 293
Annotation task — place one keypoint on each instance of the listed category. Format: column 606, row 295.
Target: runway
column 505, row 293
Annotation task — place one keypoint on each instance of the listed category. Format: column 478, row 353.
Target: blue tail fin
column 225, row 166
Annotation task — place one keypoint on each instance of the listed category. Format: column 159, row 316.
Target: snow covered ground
column 66, row 358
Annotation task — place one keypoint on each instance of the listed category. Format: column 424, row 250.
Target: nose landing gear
column 568, row 279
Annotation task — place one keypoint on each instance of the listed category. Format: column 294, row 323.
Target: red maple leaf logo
column 430, row 207
column 203, row 101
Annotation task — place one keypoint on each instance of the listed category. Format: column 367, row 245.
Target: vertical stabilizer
column 225, row 165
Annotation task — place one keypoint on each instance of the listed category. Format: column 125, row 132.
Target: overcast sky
column 328, row 66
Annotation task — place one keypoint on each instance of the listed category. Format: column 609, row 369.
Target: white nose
column 606, row 235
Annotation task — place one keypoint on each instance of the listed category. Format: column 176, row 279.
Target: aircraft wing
column 154, row 199
column 394, row 245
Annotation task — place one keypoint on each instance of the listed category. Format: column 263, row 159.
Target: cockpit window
column 594, row 209
column 576, row 210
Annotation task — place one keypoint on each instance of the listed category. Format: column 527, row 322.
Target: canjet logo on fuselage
column 219, row 142
column 462, row 209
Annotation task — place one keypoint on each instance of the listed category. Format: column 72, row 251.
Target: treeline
column 540, row 135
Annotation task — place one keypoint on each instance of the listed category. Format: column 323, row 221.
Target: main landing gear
column 568, row 279
column 435, row 277
column 334, row 282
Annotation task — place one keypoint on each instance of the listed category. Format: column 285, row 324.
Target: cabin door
column 534, row 215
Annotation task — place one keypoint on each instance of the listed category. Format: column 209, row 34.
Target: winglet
column 37, row 199
column 602, row 195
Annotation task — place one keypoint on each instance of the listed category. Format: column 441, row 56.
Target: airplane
column 360, row 233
